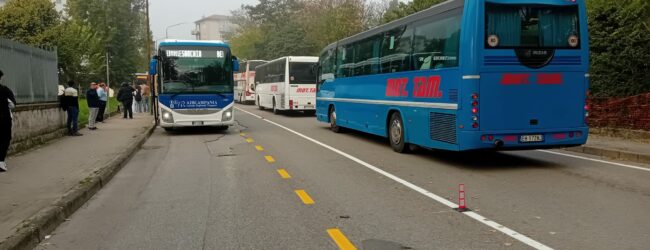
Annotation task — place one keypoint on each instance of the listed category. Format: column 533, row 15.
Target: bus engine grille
column 442, row 127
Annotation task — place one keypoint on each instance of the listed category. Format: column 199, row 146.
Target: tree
column 28, row 21
column 398, row 9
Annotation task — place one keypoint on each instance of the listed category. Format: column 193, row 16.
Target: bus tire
column 275, row 109
column 396, row 134
column 169, row 129
column 333, row 125
column 259, row 105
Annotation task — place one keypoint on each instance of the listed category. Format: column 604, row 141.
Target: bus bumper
column 172, row 119
column 518, row 140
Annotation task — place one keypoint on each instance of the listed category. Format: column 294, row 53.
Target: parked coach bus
column 288, row 83
column 464, row 75
column 245, row 81
column 196, row 84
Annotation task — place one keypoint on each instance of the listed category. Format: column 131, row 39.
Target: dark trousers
column 102, row 110
column 5, row 138
column 128, row 109
column 73, row 120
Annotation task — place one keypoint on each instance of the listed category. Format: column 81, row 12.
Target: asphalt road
column 205, row 189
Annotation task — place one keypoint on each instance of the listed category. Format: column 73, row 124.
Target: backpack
column 138, row 95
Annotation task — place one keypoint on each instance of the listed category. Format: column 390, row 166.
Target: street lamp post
column 171, row 26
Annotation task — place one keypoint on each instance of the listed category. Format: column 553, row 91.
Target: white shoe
column 3, row 166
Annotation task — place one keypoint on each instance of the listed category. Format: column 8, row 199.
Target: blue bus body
column 520, row 87
column 206, row 94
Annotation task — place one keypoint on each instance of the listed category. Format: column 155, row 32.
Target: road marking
column 596, row 160
column 250, row 140
column 284, row 174
column 269, row 159
column 259, row 148
column 340, row 239
column 305, row 197
column 520, row 237
column 242, row 134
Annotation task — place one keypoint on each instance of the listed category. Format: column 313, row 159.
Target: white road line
column 520, row 237
column 596, row 160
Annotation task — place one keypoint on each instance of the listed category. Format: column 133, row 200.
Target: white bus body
column 245, row 81
column 287, row 83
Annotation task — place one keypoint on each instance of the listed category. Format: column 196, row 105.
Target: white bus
column 287, row 83
column 245, row 81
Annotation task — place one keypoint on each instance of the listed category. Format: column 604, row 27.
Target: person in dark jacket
column 125, row 96
column 93, row 105
column 70, row 104
column 7, row 102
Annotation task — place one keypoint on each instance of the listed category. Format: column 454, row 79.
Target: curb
column 31, row 232
column 612, row 154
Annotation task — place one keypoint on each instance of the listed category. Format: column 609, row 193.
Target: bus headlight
column 227, row 115
column 167, row 116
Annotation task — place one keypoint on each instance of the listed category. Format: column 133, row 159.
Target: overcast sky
column 169, row 12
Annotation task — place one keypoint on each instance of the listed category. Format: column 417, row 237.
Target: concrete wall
column 35, row 124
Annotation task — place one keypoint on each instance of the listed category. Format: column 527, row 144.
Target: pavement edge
column 33, row 230
column 612, row 154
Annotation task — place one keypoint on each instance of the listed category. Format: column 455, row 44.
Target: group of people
column 97, row 100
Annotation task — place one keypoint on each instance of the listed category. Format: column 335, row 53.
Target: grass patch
column 83, row 109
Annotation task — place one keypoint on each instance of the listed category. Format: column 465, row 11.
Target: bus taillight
column 290, row 104
column 475, row 110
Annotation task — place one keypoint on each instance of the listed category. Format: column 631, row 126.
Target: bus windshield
column 196, row 70
column 302, row 73
column 532, row 26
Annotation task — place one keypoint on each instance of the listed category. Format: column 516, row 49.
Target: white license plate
column 531, row 138
column 197, row 123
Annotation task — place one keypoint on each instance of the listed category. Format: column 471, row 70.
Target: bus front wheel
column 396, row 134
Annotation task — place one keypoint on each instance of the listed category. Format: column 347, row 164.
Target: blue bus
column 196, row 84
column 464, row 75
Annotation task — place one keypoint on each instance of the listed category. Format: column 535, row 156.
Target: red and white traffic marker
column 462, row 202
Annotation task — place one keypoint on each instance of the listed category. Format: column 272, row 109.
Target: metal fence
column 32, row 73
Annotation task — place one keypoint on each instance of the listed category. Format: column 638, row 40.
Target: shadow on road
column 200, row 131
column 475, row 160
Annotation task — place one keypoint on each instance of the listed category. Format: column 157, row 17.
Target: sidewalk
column 46, row 185
column 616, row 148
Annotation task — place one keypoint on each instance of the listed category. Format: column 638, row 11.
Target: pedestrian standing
column 125, row 96
column 93, row 105
column 146, row 97
column 70, row 104
column 7, row 103
column 103, row 99
column 137, row 96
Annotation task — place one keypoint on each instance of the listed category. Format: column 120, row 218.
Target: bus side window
column 345, row 61
column 436, row 43
column 396, row 50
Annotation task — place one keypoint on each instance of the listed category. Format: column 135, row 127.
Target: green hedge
column 83, row 109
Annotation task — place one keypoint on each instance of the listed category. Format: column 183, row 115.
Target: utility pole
column 152, row 80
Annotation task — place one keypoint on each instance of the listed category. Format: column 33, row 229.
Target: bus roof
column 297, row 59
column 174, row 42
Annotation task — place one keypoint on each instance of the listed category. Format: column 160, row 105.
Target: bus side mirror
column 235, row 64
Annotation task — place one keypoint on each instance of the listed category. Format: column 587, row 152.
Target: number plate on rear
column 531, row 138
column 197, row 123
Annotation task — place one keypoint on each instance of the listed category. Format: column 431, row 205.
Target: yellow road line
column 269, row 159
column 340, row 239
column 305, row 197
column 250, row 140
column 259, row 148
column 242, row 134
column 284, row 174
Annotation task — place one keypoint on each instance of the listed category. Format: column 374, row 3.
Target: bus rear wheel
column 333, row 126
column 259, row 105
column 396, row 134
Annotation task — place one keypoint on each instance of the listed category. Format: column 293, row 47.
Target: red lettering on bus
column 274, row 88
column 396, row 87
column 424, row 87
column 515, row 79
column 549, row 79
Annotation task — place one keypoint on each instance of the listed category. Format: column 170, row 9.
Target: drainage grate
column 442, row 127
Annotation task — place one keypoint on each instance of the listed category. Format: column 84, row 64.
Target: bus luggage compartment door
column 531, row 100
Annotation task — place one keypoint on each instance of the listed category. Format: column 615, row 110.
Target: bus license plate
column 531, row 138
column 197, row 123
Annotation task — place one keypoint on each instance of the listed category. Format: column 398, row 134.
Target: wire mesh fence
column 32, row 73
